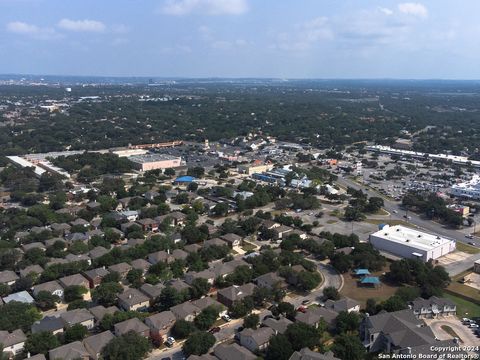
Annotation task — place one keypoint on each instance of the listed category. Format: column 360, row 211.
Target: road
column 227, row 332
column 394, row 206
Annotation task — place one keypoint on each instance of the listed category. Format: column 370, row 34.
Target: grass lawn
column 467, row 248
column 451, row 332
column 361, row 293
column 246, row 246
column 464, row 308
column 389, row 222
column 382, row 212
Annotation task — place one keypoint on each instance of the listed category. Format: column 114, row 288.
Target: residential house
column 151, row 195
column 234, row 293
column 345, row 304
column 278, row 326
column 13, row 342
column 270, row 281
column 141, row 264
column 256, row 340
column 159, row 256
column 160, row 325
column 307, row 354
column 394, row 332
column 51, row 324
column 22, row 296
column 122, row 269
column 152, row 291
column 78, row 316
column 72, row 351
column 281, row 231
column 232, row 239
column 133, row 324
column 433, row 307
column 214, row 242
column 133, row 300
column 178, row 218
column 8, row 277
column 94, row 344
column 79, row 257
column 31, row 270
column 209, row 301
column 33, row 245
column 233, row 352
column 76, row 280
column 53, row 287
column 179, row 254
column 148, row 224
column 100, row 311
column 179, row 285
column 97, row 252
column 185, row 311
column 204, row 274
column 60, row 228
column 311, row 316
column 192, row 248
column 95, row 276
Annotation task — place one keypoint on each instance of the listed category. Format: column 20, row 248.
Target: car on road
column 226, row 318
column 302, row 309
column 473, row 326
column 214, row 330
column 466, row 321
column 170, row 341
column 469, row 236
column 395, row 211
column 306, row 301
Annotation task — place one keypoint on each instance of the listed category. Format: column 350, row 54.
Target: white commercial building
column 469, row 189
column 410, row 243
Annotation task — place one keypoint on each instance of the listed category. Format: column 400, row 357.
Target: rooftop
column 415, row 238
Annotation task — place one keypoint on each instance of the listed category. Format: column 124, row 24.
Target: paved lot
column 465, row 333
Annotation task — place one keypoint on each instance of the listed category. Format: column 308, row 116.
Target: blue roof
column 21, row 296
column 362, row 272
column 370, row 280
column 185, row 179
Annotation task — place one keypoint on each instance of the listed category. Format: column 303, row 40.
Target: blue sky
column 242, row 38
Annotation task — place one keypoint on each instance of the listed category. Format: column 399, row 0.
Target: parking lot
column 466, row 334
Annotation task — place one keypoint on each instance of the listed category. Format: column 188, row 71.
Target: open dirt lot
column 473, row 280
column 453, row 257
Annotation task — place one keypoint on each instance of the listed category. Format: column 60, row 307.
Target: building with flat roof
column 410, row 243
column 469, row 189
column 155, row 161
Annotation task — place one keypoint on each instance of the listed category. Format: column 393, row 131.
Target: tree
column 198, row 343
column 106, row 293
column 182, row 329
column 41, row 342
column 74, row 292
column 331, row 293
column 341, row 262
column 393, row 303
column 169, row 172
column 135, row 277
column 347, row 321
column 46, row 300
column 168, row 297
column 302, row 335
column 287, row 309
column 348, row 347
column 130, row 346
column 75, row 333
column 307, row 280
column 206, row 318
column 199, row 288
column 279, row 348
column 220, row 209
column 16, row 315
column 251, row 321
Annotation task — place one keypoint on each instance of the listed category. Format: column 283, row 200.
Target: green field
column 467, row 248
column 464, row 308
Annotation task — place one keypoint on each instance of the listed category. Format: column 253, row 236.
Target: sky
column 430, row 39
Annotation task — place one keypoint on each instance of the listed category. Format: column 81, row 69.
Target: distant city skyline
column 429, row 39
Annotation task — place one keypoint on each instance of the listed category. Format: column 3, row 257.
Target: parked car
column 302, row 309
column 170, row 341
column 471, row 243
column 473, row 326
column 226, row 318
column 466, row 321
column 469, row 236
column 306, row 301
column 214, row 330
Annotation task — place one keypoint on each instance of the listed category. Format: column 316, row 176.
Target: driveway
column 465, row 333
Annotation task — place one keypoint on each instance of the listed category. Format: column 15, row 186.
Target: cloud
column 22, row 28
column 208, row 7
column 415, row 9
column 305, row 35
column 82, row 25
column 386, row 11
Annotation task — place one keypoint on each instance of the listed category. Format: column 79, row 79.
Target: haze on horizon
column 423, row 39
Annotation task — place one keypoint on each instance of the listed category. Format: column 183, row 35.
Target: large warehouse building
column 155, row 161
column 409, row 243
